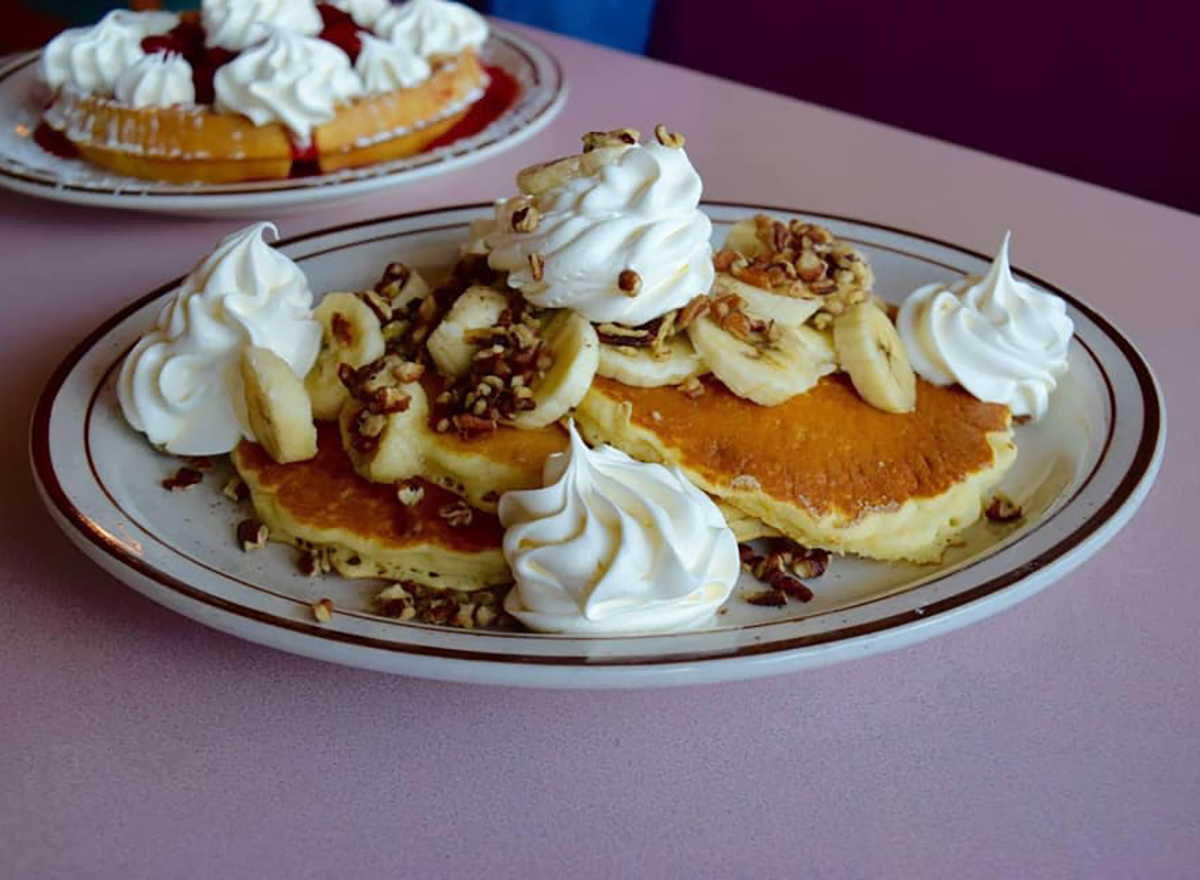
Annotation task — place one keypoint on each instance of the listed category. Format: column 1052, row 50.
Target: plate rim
column 895, row 630
column 204, row 201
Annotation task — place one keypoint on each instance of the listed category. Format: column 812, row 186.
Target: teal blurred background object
column 621, row 24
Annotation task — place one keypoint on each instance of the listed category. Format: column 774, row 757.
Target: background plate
column 1080, row 474
column 27, row 168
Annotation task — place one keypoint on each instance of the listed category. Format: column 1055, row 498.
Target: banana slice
column 476, row 309
column 401, row 284
column 394, row 444
column 743, row 238
column 572, row 340
column 640, row 368
column 787, row 310
column 538, row 179
column 871, row 351
column 766, row 372
column 277, row 406
column 350, row 334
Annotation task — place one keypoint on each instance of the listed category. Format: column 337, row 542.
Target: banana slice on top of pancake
column 871, row 351
column 763, row 361
column 450, row 345
column 277, row 406
column 386, row 447
column 675, row 363
column 350, row 334
column 767, row 304
column 572, row 343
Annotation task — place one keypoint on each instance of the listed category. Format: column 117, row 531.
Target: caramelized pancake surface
column 324, row 502
column 824, row 467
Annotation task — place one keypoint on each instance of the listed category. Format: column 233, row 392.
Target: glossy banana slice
column 387, row 448
column 767, row 372
column 743, row 238
column 642, row 369
column 350, row 334
column 277, row 406
column 476, row 309
column 538, row 179
column 871, row 351
column 573, row 342
column 770, row 306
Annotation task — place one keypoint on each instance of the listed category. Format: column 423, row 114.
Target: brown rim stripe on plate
column 1129, row 483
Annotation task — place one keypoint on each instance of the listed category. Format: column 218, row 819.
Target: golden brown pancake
column 369, row 531
column 825, row 468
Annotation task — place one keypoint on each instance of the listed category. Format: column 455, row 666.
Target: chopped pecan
column 629, row 282
column 252, row 535
column 668, row 138
column 696, row 306
column 183, row 479
column 1003, row 509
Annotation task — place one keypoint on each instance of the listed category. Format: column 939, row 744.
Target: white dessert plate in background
column 27, row 168
column 1080, row 474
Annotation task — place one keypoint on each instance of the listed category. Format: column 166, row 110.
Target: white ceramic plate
column 1080, row 474
column 27, row 168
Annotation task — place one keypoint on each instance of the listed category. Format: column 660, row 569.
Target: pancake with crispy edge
column 367, row 530
column 824, row 468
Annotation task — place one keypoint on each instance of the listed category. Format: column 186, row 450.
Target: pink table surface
column 1059, row 739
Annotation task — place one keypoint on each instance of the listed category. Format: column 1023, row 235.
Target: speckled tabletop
column 1058, row 739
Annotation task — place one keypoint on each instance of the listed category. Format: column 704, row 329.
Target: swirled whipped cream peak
column 433, row 27
column 615, row 233
column 90, row 59
column 611, row 545
column 163, row 79
column 364, row 12
column 385, row 67
column 288, row 78
column 1001, row 339
column 179, row 384
column 237, row 24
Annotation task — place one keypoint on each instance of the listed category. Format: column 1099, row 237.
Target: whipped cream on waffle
column 385, row 67
column 433, row 27
column 237, row 24
column 162, row 79
column 90, row 59
column 288, row 78
column 364, row 12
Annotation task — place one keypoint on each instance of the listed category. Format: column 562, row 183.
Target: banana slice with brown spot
column 350, row 334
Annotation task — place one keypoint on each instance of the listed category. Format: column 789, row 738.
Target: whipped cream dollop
column 236, row 24
column 162, row 79
column 90, row 59
column 639, row 213
column 612, row 545
column 364, row 12
column 179, row 385
column 999, row 338
column 433, row 27
column 288, row 78
column 385, row 67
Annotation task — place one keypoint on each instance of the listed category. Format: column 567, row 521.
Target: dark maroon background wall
column 1108, row 92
